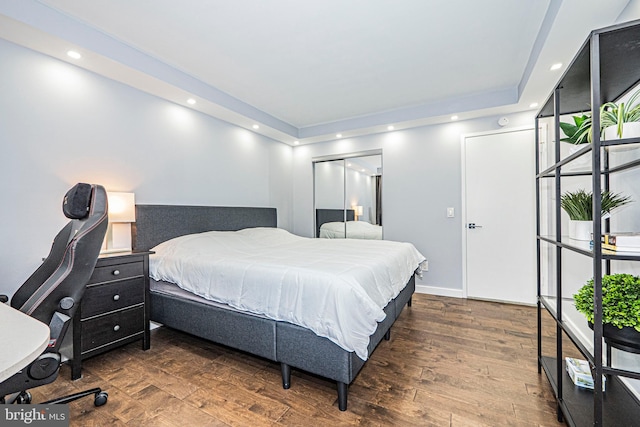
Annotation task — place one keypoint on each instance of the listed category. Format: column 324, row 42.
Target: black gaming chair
column 53, row 292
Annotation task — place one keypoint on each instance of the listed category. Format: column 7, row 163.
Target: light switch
column 450, row 213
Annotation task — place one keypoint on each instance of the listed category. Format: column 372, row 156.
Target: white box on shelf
column 580, row 373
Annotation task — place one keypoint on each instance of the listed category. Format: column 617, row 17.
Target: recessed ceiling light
column 338, row 135
column 191, row 101
column 296, row 142
column 454, row 117
column 390, row 127
column 533, row 105
column 73, row 54
column 256, row 127
column 556, row 66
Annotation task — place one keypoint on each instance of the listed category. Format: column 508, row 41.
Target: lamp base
column 118, row 238
column 114, row 251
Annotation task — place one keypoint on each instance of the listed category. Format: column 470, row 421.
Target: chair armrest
column 4, row 299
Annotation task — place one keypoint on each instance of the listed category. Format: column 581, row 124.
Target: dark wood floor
column 450, row 362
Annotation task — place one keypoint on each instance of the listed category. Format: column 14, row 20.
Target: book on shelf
column 613, row 242
column 621, row 248
column 580, row 373
column 629, row 239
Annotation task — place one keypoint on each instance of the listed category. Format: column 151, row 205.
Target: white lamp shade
column 359, row 210
column 122, row 207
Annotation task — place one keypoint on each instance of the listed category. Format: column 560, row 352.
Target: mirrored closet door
column 348, row 196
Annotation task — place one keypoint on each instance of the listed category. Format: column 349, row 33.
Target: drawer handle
column 116, row 272
column 116, row 297
column 116, row 328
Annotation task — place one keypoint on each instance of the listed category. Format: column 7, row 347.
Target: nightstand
column 115, row 307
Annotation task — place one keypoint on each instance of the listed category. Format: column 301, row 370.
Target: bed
column 351, row 230
column 330, row 224
column 291, row 345
column 324, row 216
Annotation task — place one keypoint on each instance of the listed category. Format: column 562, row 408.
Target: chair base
column 24, row 397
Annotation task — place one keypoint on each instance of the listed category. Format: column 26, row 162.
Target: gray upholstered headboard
column 158, row 223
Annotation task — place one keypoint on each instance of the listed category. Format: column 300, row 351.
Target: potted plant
column 616, row 120
column 579, row 206
column 620, row 309
column 579, row 132
column 621, row 119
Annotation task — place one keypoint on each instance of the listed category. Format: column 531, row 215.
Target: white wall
column 60, row 124
column 631, row 12
column 330, row 182
column 422, row 177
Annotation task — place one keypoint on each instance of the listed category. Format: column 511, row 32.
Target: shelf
column 619, row 61
column 620, row 407
column 585, row 248
column 623, row 154
column 575, row 326
column 613, row 56
column 573, row 323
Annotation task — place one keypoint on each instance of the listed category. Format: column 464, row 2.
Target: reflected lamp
column 358, row 212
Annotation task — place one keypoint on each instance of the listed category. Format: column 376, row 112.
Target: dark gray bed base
column 288, row 344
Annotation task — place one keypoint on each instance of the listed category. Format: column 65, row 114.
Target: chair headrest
column 77, row 201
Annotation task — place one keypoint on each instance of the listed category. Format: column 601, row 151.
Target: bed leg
column 286, row 375
column 342, row 395
column 409, row 302
column 387, row 335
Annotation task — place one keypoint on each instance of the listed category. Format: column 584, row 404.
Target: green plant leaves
column 579, row 204
column 620, row 300
column 578, row 133
column 611, row 114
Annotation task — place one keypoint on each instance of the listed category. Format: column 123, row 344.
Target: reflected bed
column 350, row 230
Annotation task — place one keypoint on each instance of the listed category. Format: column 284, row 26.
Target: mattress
column 336, row 288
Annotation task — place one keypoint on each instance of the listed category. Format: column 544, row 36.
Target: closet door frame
column 343, row 157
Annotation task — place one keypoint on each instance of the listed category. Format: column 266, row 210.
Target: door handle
column 473, row 225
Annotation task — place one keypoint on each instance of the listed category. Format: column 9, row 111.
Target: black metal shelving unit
column 606, row 67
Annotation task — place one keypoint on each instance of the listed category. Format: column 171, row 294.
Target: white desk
column 22, row 340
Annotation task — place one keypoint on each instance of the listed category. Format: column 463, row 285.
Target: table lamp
column 122, row 212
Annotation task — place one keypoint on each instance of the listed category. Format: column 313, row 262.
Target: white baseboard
column 443, row 292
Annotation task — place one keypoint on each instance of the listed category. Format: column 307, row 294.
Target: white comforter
column 354, row 229
column 336, row 288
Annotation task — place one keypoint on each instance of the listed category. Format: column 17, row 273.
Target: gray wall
column 60, row 124
column 422, row 177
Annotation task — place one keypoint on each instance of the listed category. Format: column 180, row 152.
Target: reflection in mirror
column 329, row 197
column 348, row 198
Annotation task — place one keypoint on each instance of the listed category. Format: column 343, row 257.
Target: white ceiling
column 304, row 70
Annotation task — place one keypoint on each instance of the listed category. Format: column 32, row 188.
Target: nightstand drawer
column 112, row 296
column 116, row 272
column 112, row 327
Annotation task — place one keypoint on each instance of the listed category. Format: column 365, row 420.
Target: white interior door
column 500, row 200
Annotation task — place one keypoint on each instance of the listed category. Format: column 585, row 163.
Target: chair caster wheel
column 24, row 398
column 101, row 398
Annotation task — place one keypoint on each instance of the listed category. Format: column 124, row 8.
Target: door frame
column 463, row 202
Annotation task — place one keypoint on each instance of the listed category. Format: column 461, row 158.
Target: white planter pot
column 567, row 149
column 629, row 130
column 580, row 230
